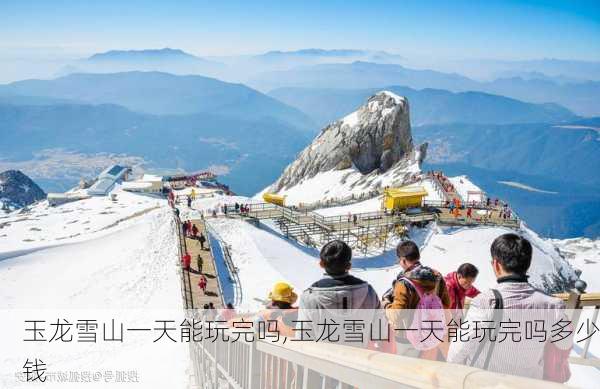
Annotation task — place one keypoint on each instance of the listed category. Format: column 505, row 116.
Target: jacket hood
column 341, row 293
column 424, row 276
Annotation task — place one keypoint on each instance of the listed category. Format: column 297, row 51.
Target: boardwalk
column 478, row 217
column 213, row 293
column 362, row 230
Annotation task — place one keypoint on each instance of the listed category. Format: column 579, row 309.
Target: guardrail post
column 253, row 367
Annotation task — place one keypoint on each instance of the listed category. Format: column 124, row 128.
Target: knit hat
column 282, row 291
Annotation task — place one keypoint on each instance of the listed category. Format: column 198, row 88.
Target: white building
column 107, row 180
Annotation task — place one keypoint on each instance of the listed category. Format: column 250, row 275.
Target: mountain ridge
column 428, row 106
column 161, row 93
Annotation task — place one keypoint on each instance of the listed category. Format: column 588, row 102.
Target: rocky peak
column 375, row 137
column 17, row 190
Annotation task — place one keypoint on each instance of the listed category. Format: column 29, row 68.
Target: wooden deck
column 213, row 292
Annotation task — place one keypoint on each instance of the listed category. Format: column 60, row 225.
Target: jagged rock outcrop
column 17, row 190
column 373, row 138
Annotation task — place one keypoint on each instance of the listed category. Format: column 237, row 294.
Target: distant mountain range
column 165, row 54
column 427, row 106
column 553, row 67
column 554, row 168
column 163, row 60
column 313, row 56
column 567, row 154
column 572, row 84
column 580, row 97
column 252, row 152
column 159, row 94
column 195, row 122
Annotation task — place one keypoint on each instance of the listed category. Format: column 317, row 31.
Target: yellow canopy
column 273, row 198
column 404, row 197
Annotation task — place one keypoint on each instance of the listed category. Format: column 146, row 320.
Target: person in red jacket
column 203, row 283
column 460, row 285
column 186, row 261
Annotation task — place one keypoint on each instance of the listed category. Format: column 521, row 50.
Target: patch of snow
column 128, row 273
column 397, row 99
column 44, row 226
column 463, row 186
column 342, row 183
column 351, row 119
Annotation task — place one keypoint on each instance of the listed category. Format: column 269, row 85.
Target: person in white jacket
column 515, row 300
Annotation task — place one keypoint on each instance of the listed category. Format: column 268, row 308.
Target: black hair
column 467, row 270
column 513, row 252
column 229, row 306
column 336, row 256
column 409, row 250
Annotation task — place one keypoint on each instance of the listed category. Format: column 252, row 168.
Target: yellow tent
column 273, row 198
column 405, row 197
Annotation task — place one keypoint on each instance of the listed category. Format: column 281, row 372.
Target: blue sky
column 450, row 30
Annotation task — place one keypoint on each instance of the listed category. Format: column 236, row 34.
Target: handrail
column 186, row 283
column 259, row 364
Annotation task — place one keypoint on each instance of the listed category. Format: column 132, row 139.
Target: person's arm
column 393, row 310
column 400, row 296
column 472, row 292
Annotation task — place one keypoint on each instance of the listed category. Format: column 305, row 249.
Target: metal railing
column 186, row 282
column 577, row 301
column 264, row 364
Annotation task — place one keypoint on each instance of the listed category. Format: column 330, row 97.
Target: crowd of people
column 419, row 288
column 444, row 182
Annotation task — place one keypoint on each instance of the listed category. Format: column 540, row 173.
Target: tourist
column 412, row 284
column 337, row 293
column 202, row 239
column 280, row 309
column 511, row 258
column 199, row 263
column 184, row 227
column 460, row 285
column 186, row 261
column 202, row 283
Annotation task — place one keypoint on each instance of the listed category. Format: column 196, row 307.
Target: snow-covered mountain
column 372, row 142
column 371, row 148
column 583, row 253
column 17, row 190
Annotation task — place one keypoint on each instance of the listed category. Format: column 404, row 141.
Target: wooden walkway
column 489, row 217
column 213, row 292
